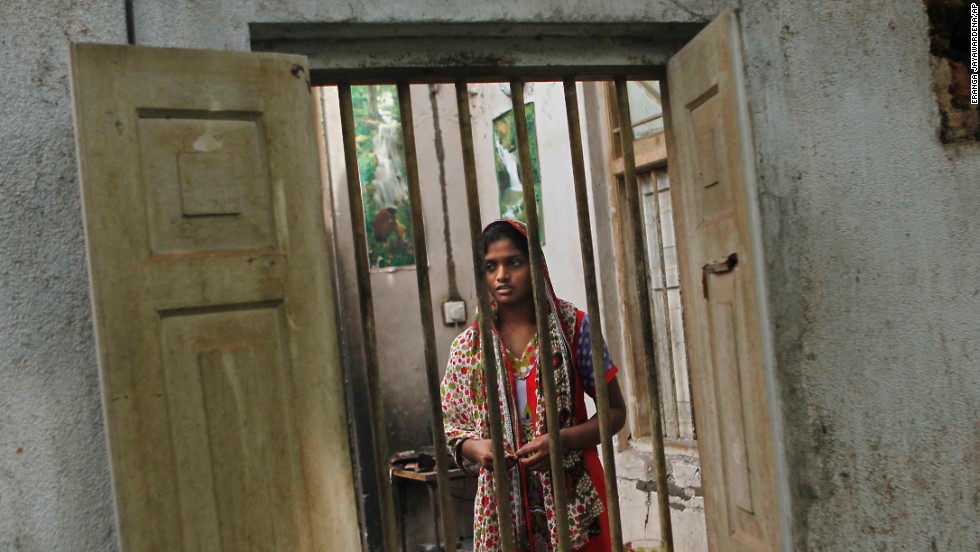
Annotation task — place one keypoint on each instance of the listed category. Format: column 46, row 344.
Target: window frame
column 650, row 155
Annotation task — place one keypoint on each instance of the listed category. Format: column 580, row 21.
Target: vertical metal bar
column 541, row 310
column 595, row 321
column 378, row 427
column 399, row 495
column 642, row 279
column 345, row 361
column 425, row 304
column 501, row 478
column 130, row 22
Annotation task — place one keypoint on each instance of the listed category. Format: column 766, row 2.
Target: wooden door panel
column 729, row 372
column 211, row 297
column 709, row 162
column 227, row 383
column 206, row 182
column 714, row 196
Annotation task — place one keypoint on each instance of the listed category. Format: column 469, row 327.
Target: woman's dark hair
column 503, row 230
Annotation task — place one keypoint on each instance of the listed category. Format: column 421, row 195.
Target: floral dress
column 465, row 417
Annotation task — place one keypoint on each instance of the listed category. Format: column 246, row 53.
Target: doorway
column 711, row 194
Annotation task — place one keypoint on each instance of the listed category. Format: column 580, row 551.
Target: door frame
column 372, row 53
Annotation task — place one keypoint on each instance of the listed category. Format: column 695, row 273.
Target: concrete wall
column 54, row 473
column 869, row 229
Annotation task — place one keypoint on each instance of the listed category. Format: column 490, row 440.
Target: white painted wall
column 869, row 222
column 558, row 198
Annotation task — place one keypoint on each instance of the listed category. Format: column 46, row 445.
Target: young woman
column 507, row 273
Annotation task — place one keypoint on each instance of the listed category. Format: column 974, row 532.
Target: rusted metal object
column 379, row 438
column 721, row 266
column 425, row 308
column 501, row 477
column 541, row 310
column 595, row 321
column 640, row 261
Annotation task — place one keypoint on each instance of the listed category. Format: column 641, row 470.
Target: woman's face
column 507, row 272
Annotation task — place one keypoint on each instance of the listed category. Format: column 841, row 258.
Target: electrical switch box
column 454, row 312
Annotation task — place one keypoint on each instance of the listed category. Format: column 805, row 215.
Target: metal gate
column 637, row 266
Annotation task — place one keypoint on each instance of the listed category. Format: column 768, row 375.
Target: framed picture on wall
column 509, row 185
column 384, row 182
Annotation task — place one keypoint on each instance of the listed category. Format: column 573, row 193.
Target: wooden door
column 214, row 319
column 712, row 172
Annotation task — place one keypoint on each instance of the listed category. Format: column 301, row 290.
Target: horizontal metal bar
column 379, row 438
column 501, row 477
column 482, row 75
column 425, row 306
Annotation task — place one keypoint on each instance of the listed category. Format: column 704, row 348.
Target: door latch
column 721, row 266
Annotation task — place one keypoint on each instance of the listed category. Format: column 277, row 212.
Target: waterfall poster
column 384, row 183
column 508, row 166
